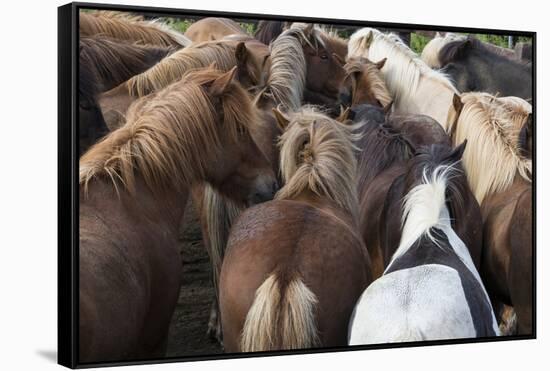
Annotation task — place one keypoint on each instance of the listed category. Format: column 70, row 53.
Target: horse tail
column 281, row 317
column 220, row 214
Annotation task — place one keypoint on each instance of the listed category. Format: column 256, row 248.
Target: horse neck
column 165, row 208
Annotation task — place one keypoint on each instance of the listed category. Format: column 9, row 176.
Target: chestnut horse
column 500, row 177
column 414, row 86
column 133, row 189
column 130, row 29
column 103, row 64
column 209, row 29
column 225, row 55
column 431, row 289
column 294, row 267
column 284, row 88
column 324, row 53
column 367, row 83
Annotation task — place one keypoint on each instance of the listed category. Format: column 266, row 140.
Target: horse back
column 294, row 240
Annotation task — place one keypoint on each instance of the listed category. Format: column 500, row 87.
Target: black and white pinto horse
column 431, row 289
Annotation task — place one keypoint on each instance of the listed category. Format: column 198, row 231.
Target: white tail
column 280, row 320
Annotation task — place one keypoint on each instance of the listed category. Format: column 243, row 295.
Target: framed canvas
column 243, row 185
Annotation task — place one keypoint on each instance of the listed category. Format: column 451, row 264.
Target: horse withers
column 431, row 289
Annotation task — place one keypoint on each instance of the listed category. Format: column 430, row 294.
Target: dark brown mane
column 380, row 145
column 268, row 31
column 105, row 63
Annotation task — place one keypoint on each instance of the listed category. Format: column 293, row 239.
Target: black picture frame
column 68, row 204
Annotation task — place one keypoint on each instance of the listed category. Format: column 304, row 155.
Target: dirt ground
column 187, row 334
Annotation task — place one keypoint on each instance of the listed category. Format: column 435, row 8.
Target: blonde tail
column 280, row 320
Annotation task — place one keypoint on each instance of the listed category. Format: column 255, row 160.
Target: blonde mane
column 430, row 53
column 287, row 74
column 130, row 29
column 317, row 155
column 174, row 66
column 171, row 137
column 372, row 77
column 403, row 70
column 492, row 157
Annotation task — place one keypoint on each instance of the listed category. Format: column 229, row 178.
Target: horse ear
column 282, row 120
column 367, row 39
column 308, row 30
column 457, row 103
column 438, row 34
column 339, row 59
column 344, row 115
column 220, row 84
column 241, row 53
column 457, row 153
column 381, row 63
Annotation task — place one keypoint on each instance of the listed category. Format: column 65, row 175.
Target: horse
column 210, row 28
column 414, row 86
column 473, row 66
column 431, row 50
column 267, row 31
column 130, row 29
column 226, row 55
column 295, row 266
column 284, row 89
column 500, row 177
column 324, row 54
column 367, row 83
column 133, row 189
column 431, row 289
column 103, row 64
column 388, row 142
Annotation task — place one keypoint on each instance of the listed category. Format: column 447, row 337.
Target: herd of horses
column 349, row 191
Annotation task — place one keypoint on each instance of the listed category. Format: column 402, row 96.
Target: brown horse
column 387, row 144
column 295, row 267
column 367, row 83
column 225, row 55
column 130, row 29
column 209, row 29
column 268, row 31
column 133, row 189
column 500, row 177
column 324, row 53
column 284, row 88
column 103, row 64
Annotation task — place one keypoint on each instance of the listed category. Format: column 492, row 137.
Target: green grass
column 418, row 42
column 180, row 25
column 249, row 28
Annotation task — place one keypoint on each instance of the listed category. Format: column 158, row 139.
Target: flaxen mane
column 168, row 139
column 493, row 157
column 171, row 68
column 431, row 50
column 104, row 63
column 287, row 75
column 120, row 15
column 404, row 68
column 124, row 28
column 372, row 78
column 317, row 155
